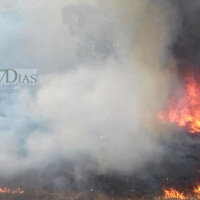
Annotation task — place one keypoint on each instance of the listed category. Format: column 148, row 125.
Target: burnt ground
column 179, row 168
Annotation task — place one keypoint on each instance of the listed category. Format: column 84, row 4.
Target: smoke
column 186, row 47
column 101, row 79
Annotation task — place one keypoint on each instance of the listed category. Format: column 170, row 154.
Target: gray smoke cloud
column 186, row 47
column 101, row 76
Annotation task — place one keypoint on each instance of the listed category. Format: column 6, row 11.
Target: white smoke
column 100, row 75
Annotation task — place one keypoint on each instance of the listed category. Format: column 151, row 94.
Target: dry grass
column 46, row 195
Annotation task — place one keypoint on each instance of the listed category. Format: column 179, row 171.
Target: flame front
column 6, row 190
column 185, row 111
column 172, row 193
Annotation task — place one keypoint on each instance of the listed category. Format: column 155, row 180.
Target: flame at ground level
column 185, row 109
column 11, row 191
column 172, row 193
column 197, row 191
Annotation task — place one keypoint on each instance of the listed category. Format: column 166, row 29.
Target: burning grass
column 47, row 194
column 174, row 177
column 170, row 194
column 184, row 109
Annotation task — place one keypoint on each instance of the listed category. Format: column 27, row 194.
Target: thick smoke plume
column 102, row 79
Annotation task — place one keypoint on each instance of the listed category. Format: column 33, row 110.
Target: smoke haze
column 102, row 74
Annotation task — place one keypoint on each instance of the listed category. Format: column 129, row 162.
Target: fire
column 197, row 191
column 10, row 191
column 185, row 111
column 172, row 193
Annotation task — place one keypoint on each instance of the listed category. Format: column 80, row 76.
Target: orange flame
column 172, row 193
column 185, row 112
column 197, row 191
column 6, row 190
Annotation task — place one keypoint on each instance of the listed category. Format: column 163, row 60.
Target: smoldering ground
column 102, row 79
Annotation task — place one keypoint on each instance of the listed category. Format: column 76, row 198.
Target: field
column 48, row 195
